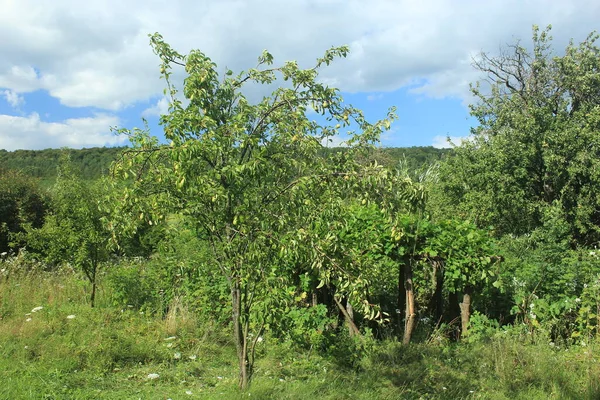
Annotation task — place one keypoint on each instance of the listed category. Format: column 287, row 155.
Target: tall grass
column 67, row 350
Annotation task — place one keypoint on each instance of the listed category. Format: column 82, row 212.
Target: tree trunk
column 93, row 296
column 465, row 312
column 401, row 303
column 350, row 312
column 352, row 328
column 238, row 334
column 409, row 325
column 92, row 277
column 453, row 312
column 437, row 300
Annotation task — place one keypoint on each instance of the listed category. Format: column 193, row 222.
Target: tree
column 22, row 204
column 73, row 231
column 240, row 171
column 466, row 257
column 537, row 141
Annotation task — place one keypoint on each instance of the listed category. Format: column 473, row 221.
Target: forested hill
column 90, row 163
column 95, row 162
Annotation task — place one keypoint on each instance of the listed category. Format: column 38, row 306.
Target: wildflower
column 70, row 316
column 188, row 392
column 36, row 309
column 153, row 376
column 259, row 339
column 177, row 356
column 219, row 377
column 192, row 357
column 578, row 300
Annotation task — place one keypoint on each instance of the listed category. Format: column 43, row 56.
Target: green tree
column 537, row 141
column 22, row 204
column 240, row 171
column 73, row 232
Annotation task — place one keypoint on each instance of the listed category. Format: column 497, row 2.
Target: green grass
column 108, row 353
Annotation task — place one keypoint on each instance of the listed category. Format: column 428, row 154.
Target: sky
column 71, row 70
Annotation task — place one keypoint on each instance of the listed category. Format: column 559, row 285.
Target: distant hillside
column 91, row 163
column 95, row 162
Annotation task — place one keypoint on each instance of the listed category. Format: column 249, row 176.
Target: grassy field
column 54, row 346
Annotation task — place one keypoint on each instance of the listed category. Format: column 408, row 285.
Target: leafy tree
column 240, row 171
column 536, row 144
column 73, row 232
column 466, row 257
column 22, row 204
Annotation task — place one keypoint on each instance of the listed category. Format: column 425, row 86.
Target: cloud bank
column 96, row 54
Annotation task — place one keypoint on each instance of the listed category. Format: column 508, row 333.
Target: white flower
column 219, row 377
column 153, row 376
column 177, row 356
column 192, row 357
column 188, row 392
column 28, row 319
column 259, row 339
column 578, row 300
column 36, row 309
column 70, row 316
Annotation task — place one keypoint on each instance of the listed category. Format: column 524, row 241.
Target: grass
column 110, row 353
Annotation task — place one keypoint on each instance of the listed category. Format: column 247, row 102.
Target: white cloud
column 97, row 54
column 160, row 108
column 374, row 97
column 13, row 98
column 441, row 142
column 334, row 141
column 32, row 133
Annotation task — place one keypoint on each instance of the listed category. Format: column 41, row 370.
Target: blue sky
column 70, row 70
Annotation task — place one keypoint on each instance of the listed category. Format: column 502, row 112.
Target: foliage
column 535, row 145
column 73, row 232
column 22, row 204
column 91, row 163
column 238, row 171
column 469, row 254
